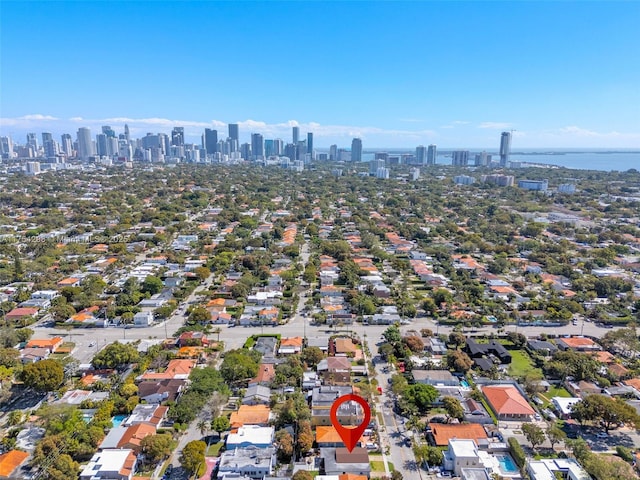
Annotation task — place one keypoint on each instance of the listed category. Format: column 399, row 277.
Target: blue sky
column 561, row 74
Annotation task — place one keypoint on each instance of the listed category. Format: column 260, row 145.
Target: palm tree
column 217, row 331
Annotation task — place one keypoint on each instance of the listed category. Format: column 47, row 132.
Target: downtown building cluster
column 108, row 147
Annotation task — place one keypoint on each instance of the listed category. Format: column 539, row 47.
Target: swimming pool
column 117, row 420
column 507, row 465
column 464, row 383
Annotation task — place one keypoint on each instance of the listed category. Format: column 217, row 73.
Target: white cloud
column 495, row 125
column 37, row 116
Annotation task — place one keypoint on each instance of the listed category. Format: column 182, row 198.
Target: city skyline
column 384, row 79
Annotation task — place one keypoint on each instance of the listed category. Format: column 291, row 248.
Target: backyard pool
column 507, row 465
column 464, row 383
column 117, row 420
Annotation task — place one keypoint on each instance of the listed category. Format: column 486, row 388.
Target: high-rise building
column 310, row 143
column 505, row 148
column 85, row 144
column 127, row 134
column 6, row 147
column 432, row 154
column 290, row 151
column 108, row 131
column 356, row 150
column 32, row 139
column 460, row 158
column 177, row 137
column 101, row 145
column 257, row 146
column 333, row 153
column 245, row 151
column 296, row 135
column 234, row 132
column 375, row 165
column 278, row 146
column 66, row 145
column 269, row 148
column 421, row 155
column 46, row 136
column 210, row 140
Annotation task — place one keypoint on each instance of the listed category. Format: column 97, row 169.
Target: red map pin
column 350, row 435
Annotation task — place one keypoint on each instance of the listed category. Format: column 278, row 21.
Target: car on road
column 92, row 344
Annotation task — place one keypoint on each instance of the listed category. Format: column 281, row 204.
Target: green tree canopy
column 44, row 376
column 116, row 355
column 192, row 455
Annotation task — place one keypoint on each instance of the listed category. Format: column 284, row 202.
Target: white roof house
column 111, row 465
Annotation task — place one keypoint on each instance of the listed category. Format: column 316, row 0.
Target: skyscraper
column 257, row 146
column 432, row 153
column 108, row 131
column 210, row 140
column 6, row 147
column 333, row 153
column 101, row 144
column 460, row 158
column 234, row 132
column 356, row 150
column 278, row 146
column 85, row 145
column 310, row 143
column 67, row 145
column 269, row 149
column 296, row 135
column 505, row 148
column 421, row 155
column 177, row 137
column 32, row 139
column 127, row 134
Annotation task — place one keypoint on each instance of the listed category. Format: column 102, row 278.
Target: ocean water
column 604, row 160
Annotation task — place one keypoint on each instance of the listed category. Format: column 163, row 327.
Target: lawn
column 214, row 450
column 554, row 391
column 521, row 364
column 377, row 466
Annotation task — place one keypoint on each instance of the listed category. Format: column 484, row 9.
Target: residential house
column 345, row 346
column 266, row 372
column 49, row 344
column 441, row 433
column 579, row 344
column 251, row 436
column 176, row 369
column 337, row 461
column 257, row 395
column 250, row 415
column 291, row 345
column 462, row 453
column 192, row 339
column 335, row 370
column 508, row 403
column 143, row 319
column 582, row 388
column 563, row 405
column 475, row 412
column 328, row 436
column 127, row 437
column 20, row 314
column 435, row 377
column 252, row 462
column 32, row 355
column 110, row 465
column 479, row 350
column 150, row 414
column 322, row 398
column 542, row 347
column 552, row 468
column 10, row 462
column 158, row 391
column 266, row 346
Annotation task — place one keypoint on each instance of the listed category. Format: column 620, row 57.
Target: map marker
column 350, row 435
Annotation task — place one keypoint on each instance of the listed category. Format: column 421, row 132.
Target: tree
column 220, row 424
column 392, row 335
column 157, row 446
column 238, row 365
column 431, row 455
column 43, row 376
column 192, row 455
column 63, row 468
column 305, row 437
column 459, row 361
column 607, row 411
column 453, row 407
column 199, row 315
column 312, row 356
column 116, row 355
column 457, row 339
column 202, row 273
column 62, row 312
column 421, row 396
column 302, row 475
column 9, row 357
column 518, row 339
column 555, row 434
column 152, row 285
column 532, row 383
column 284, row 440
column 414, row 343
column 533, row 433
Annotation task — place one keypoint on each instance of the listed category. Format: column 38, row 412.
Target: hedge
column 517, row 452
